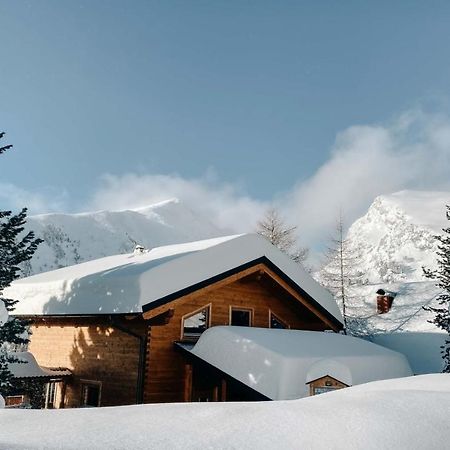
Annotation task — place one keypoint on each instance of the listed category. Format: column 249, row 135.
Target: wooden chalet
column 117, row 323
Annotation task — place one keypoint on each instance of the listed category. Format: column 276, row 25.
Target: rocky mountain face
column 395, row 237
column 74, row 238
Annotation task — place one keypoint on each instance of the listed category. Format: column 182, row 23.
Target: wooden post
column 223, row 391
column 187, row 397
column 62, row 394
column 215, row 394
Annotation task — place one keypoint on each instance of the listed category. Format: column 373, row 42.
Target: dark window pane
column 196, row 324
column 240, row 317
column 275, row 322
column 91, row 395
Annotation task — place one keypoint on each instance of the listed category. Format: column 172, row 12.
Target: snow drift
column 402, row 413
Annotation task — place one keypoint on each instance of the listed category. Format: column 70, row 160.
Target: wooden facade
column 133, row 359
column 102, row 352
column 325, row 384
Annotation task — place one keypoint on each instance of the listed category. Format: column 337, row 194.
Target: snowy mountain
column 396, row 235
column 393, row 241
column 73, row 238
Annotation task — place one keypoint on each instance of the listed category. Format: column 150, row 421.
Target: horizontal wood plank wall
column 92, row 352
column 164, row 381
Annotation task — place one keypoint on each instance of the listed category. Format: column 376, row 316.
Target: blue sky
column 244, row 99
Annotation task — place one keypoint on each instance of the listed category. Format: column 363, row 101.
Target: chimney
column 139, row 250
column 384, row 301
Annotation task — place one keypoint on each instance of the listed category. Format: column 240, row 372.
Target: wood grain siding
column 98, row 352
column 165, row 376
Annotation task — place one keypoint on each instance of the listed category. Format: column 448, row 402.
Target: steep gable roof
column 132, row 283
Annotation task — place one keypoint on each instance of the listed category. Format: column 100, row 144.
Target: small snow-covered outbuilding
column 28, row 375
column 115, row 322
column 289, row 364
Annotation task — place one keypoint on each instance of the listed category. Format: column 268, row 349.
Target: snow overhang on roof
column 27, row 367
column 280, row 363
column 135, row 283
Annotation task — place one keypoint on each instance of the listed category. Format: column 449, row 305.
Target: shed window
column 276, row 322
column 90, row 393
column 50, row 395
column 194, row 324
column 241, row 317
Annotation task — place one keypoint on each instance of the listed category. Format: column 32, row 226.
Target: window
column 323, row 389
column 276, row 322
column 194, row 324
column 50, row 395
column 241, row 317
column 90, row 393
column 16, row 400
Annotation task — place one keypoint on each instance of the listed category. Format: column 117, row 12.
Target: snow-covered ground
column 407, row 313
column 406, row 413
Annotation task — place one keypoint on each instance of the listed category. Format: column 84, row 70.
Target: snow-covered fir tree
column 14, row 250
column 275, row 230
column 340, row 274
column 442, row 276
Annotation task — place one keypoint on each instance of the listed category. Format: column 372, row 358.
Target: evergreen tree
column 442, row 275
column 273, row 228
column 340, row 274
column 14, row 250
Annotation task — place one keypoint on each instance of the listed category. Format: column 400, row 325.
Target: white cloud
column 225, row 204
column 410, row 152
column 15, row 198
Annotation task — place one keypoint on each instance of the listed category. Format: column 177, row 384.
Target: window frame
column 51, row 391
column 271, row 313
column 240, row 308
column 90, row 383
column 193, row 313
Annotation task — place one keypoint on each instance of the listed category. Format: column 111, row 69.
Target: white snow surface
column 407, row 313
column 406, row 327
column 279, row 363
column 405, row 413
column 3, row 319
column 73, row 238
column 3, row 313
column 124, row 283
column 27, row 367
column 396, row 237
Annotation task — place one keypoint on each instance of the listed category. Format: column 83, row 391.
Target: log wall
column 92, row 351
column 164, row 381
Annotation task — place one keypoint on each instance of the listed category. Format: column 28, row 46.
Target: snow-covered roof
column 130, row 282
column 280, row 363
column 27, row 367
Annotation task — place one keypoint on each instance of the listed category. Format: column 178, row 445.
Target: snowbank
column 421, row 349
column 404, row 413
column 280, row 363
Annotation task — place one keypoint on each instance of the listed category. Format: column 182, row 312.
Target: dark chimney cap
column 381, row 292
